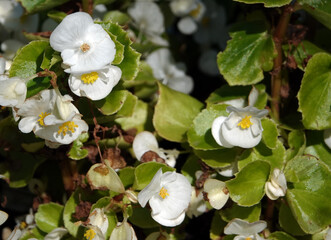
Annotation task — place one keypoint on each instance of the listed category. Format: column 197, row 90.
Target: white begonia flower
column 146, row 141
column 56, row 234
column 12, row 91
column 123, row 231
column 2, row 65
column 228, row 171
column 165, row 70
column 276, row 187
column 241, row 128
column 148, row 18
column 3, row 217
column 197, row 205
column 244, row 229
column 97, row 223
column 84, row 45
column 95, row 85
column 23, row 224
column 181, row 7
column 168, row 195
column 327, row 137
column 10, row 47
column 217, row 193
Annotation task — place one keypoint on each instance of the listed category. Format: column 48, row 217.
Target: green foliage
column 270, row 133
column 218, row 158
column 250, row 214
column 250, row 52
column 247, row 189
column 174, row 113
column 40, row 5
column 315, row 93
column 77, row 152
column 267, row 3
column 321, row 10
column 116, row 17
column 49, row 216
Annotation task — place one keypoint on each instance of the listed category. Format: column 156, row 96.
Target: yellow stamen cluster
column 23, row 225
column 248, row 238
column 89, row 78
column 245, row 122
column 67, row 126
column 89, row 234
column 195, row 12
column 163, row 193
column 85, row 47
column 41, row 118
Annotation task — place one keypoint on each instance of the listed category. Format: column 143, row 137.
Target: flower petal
column 241, row 227
column 217, row 132
column 144, row 142
column 152, row 188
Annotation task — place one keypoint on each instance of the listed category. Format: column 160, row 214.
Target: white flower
column 98, row 219
column 228, row 171
column 2, row 65
column 181, row 7
column 56, row 234
column 241, row 128
column 84, row 45
column 123, row 231
column 168, row 195
column 3, row 217
column 165, row 70
column 197, row 204
column 327, row 137
column 12, row 91
column 148, row 18
column 244, row 229
column 217, row 193
column 95, row 85
column 146, row 141
column 276, row 187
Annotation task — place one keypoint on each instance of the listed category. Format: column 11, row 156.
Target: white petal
column 217, row 197
column 3, row 217
column 27, row 124
column 181, row 84
column 152, row 188
column 123, row 231
column 187, row 25
column 217, row 134
column 273, row 192
column 56, row 234
column 169, row 222
column 327, row 137
column 253, row 96
column 2, row 65
column 144, row 142
column 256, row 128
column 241, row 227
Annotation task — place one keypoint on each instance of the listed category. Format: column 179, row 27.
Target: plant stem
column 276, row 80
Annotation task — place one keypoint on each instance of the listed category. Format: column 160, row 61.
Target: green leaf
column 302, row 52
column 102, row 177
column 174, row 113
column 280, row 236
column 40, row 5
column 250, row 214
column 267, row 3
column 57, row 16
column 145, row 172
column 76, row 151
column 228, row 93
column 309, row 192
column 142, row 218
column 33, row 233
column 190, row 167
column 250, row 52
column 315, row 93
column 116, row 17
column 270, row 133
column 288, row 222
column 199, row 135
column 247, row 189
column 27, row 62
column 49, row 216
column 127, row 176
column 217, row 226
column 321, row 10
column 316, row 147
column 218, row 158
column 297, row 144
column 118, row 101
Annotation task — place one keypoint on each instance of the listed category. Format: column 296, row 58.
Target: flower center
column 89, row 234
column 195, row 12
column 89, row 78
column 163, row 193
column 67, row 126
column 245, row 122
column 85, row 47
column 41, row 118
column 23, row 225
column 248, row 238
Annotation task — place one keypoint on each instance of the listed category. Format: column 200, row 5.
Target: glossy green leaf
column 250, row 52
column 270, row 133
column 49, row 216
column 288, row 222
column 247, row 189
column 309, row 192
column 102, row 177
column 217, row 226
column 218, row 158
column 142, row 218
column 321, row 10
column 116, row 17
column 57, row 16
column 145, row 172
column 226, row 94
column 199, row 135
column 127, row 176
column 40, row 5
column 190, row 167
column 119, row 55
column 174, row 113
column 116, row 101
column 76, row 151
column 250, row 214
column 297, row 144
column 267, row 3
column 27, row 62
column 280, row 236
column 302, row 52
column 315, row 93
